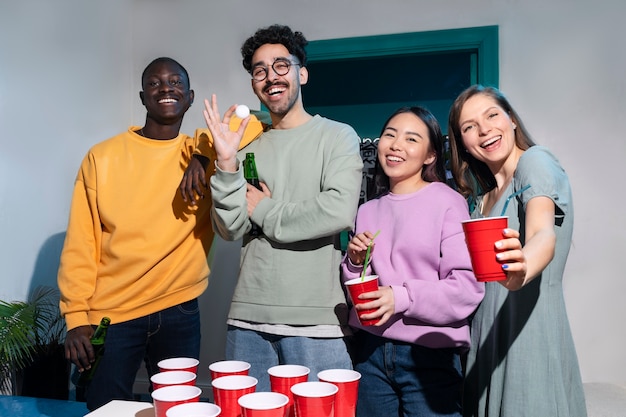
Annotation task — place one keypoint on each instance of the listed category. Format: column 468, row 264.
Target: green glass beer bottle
column 251, row 176
column 97, row 341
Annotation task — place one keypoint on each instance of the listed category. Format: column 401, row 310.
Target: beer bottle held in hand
column 97, row 341
column 250, row 174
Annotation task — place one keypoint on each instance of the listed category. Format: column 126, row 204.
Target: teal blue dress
column 522, row 360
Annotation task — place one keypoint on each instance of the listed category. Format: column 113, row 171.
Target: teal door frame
column 483, row 40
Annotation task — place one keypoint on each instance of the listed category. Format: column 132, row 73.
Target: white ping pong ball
column 242, row 111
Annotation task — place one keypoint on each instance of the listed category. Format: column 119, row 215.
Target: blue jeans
column 403, row 379
column 173, row 332
column 264, row 350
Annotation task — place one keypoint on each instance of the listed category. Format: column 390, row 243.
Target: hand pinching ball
column 242, row 111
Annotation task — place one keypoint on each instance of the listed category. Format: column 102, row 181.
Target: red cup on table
column 283, row 377
column 228, row 389
column 358, row 286
column 199, row 409
column 480, row 237
column 163, row 379
column 314, row 399
column 347, row 382
column 167, row 397
column 179, row 364
column 225, row 368
column 263, row 404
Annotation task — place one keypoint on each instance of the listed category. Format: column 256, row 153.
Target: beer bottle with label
column 97, row 341
column 250, row 174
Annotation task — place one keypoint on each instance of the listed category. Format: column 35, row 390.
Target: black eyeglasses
column 280, row 67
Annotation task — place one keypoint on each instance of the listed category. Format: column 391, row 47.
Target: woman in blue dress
column 522, row 360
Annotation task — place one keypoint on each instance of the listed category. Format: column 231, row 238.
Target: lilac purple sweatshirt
column 421, row 254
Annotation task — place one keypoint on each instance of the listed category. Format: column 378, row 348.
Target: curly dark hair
column 295, row 42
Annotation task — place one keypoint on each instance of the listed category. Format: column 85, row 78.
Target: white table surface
column 119, row 408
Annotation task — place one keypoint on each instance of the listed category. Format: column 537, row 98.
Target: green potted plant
column 32, row 360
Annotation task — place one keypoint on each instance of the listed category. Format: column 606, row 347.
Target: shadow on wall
column 48, row 360
column 215, row 302
column 47, row 263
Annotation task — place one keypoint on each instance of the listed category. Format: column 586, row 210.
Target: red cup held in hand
column 358, row 286
column 480, row 237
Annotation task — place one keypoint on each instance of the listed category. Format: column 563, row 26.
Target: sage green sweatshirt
column 291, row 274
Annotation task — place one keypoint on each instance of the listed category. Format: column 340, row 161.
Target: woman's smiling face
column 487, row 130
column 403, row 150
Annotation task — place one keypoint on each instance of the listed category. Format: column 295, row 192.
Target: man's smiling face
column 278, row 93
column 166, row 94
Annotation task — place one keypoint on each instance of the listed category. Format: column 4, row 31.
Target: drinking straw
column 367, row 256
column 516, row 193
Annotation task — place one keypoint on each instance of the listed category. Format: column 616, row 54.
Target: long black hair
column 433, row 172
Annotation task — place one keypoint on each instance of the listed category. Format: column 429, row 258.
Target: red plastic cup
column 228, row 389
column 283, row 377
column 163, row 379
column 358, row 286
column 199, row 409
column 225, row 368
column 263, row 404
column 314, row 399
column 179, row 364
column 347, row 382
column 480, row 237
column 167, row 397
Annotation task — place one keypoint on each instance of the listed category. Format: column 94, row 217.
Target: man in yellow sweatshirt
column 135, row 251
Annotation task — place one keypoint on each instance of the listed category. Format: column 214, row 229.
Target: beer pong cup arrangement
column 358, row 286
column 179, row 364
column 169, row 396
column 263, row 404
column 163, row 379
column 199, row 409
column 481, row 236
column 283, row 377
column 228, row 389
column 314, row 399
column 224, row 368
column 347, row 383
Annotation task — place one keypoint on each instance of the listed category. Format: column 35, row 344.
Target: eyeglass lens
column 280, row 67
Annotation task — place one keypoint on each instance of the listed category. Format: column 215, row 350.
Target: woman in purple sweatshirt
column 410, row 360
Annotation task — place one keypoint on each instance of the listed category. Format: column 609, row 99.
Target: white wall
column 69, row 77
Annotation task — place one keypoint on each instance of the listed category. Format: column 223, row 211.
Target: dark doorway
column 364, row 91
column 362, row 80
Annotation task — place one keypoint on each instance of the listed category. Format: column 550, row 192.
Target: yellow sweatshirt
column 133, row 246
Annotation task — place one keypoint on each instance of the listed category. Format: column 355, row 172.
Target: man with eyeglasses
column 288, row 306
